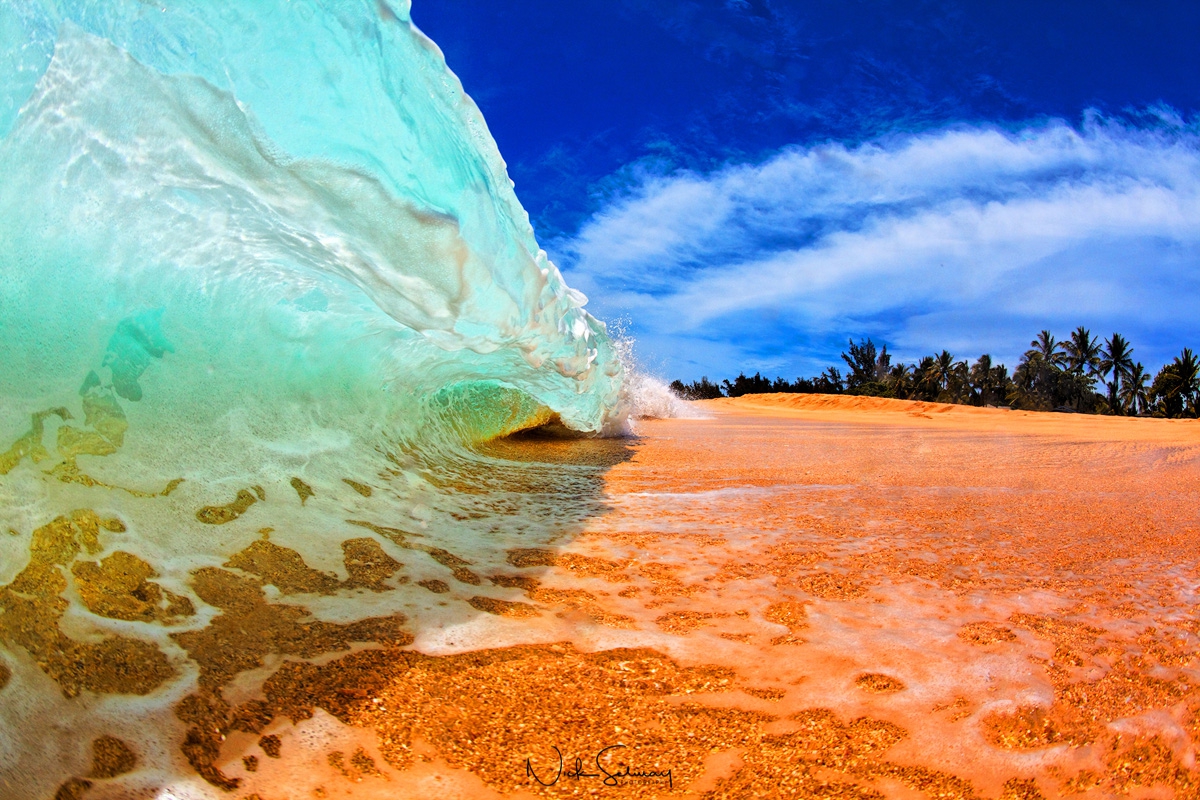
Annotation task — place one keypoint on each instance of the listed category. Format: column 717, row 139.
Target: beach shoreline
column 797, row 596
column 789, row 596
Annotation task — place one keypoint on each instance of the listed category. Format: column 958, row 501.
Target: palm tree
column 960, row 382
column 981, row 378
column 925, row 376
column 1082, row 351
column 1075, row 386
column 1038, row 378
column 1133, row 395
column 1001, row 381
column 1176, row 386
column 1115, row 358
column 988, row 380
column 944, row 367
column 1187, row 368
column 1046, row 350
column 900, row 379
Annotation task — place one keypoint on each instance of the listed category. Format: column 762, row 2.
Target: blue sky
column 750, row 182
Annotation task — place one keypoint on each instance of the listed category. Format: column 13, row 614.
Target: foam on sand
column 266, row 291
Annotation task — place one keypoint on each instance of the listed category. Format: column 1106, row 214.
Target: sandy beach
column 794, row 596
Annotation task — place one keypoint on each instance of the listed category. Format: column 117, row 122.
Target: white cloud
column 970, row 236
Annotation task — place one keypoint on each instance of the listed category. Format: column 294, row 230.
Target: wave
column 266, row 293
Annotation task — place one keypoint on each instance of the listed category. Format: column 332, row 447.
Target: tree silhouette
column 925, row 379
column 1134, row 396
column 829, row 381
column 703, row 389
column 944, row 366
column 1176, row 386
column 868, row 369
column 755, row 384
column 1116, row 359
column 989, row 383
column 1051, row 375
column 1082, row 352
column 861, row 361
column 1047, row 349
column 1039, row 381
column 901, row 380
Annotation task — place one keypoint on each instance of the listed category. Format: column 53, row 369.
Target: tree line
column 1079, row 374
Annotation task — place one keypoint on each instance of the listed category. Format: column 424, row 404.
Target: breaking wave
column 267, row 294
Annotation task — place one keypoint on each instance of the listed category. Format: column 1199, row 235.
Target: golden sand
column 799, row 596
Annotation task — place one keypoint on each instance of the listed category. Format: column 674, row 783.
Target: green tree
column 868, row 368
column 1188, row 368
column 703, row 389
column 1116, row 359
column 926, row 379
column 1077, row 387
column 959, row 390
column 1045, row 348
column 989, row 382
column 1082, row 352
column 754, row 384
column 1036, row 379
column 901, row 381
column 1176, row 386
column 944, row 369
column 1134, row 396
column 861, row 362
column 829, row 381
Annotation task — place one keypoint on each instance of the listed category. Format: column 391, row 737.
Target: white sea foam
column 645, row 396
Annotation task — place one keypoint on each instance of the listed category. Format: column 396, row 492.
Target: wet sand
column 793, row 597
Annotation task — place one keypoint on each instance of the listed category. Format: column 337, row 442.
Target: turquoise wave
column 266, row 293
column 307, row 201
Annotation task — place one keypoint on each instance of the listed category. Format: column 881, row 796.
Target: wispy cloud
column 968, row 238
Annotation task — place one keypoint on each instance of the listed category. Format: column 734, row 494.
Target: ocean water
column 268, row 300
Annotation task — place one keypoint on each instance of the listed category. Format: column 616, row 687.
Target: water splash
column 644, row 395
